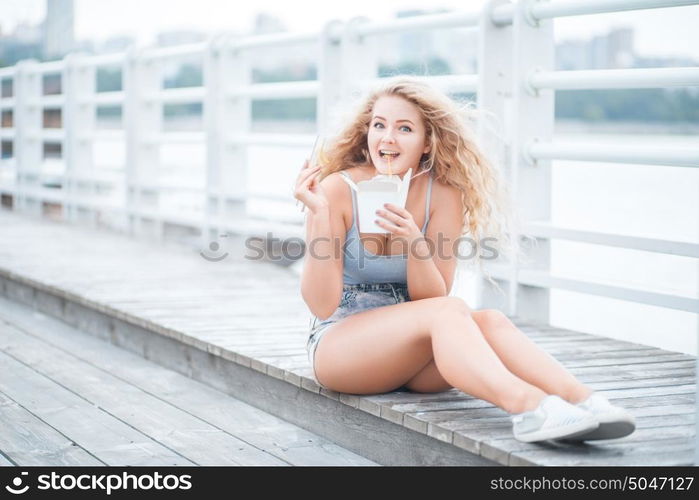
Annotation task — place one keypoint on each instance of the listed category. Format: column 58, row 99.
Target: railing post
column 226, row 114
column 216, row 136
column 142, row 121
column 494, row 92
column 78, row 123
column 532, row 118
column 359, row 60
column 330, row 75
column 28, row 125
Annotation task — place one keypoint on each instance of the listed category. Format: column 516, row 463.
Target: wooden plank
column 27, row 440
column 262, row 430
column 179, row 431
column 658, row 416
column 621, row 359
column 103, row 436
column 677, row 450
column 670, row 403
column 498, row 436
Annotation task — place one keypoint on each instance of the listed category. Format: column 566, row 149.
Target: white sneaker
column 614, row 421
column 554, row 418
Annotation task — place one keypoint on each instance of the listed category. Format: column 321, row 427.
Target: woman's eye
column 379, row 124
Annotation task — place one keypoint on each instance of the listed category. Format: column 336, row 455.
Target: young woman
column 386, row 318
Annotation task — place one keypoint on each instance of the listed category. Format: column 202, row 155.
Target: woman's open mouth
column 387, row 154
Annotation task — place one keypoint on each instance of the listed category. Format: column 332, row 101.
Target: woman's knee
column 455, row 304
column 490, row 319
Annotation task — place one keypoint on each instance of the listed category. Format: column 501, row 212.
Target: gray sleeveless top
column 362, row 266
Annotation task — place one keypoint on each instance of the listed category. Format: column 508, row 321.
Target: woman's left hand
column 398, row 221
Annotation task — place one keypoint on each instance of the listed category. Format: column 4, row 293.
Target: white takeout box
column 373, row 193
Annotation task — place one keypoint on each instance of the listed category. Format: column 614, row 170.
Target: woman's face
column 396, row 134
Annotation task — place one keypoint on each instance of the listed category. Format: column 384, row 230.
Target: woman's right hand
column 308, row 190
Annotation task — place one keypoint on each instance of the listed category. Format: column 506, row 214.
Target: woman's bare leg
column 381, row 349
column 527, row 360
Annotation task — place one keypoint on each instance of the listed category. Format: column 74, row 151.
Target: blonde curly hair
column 454, row 157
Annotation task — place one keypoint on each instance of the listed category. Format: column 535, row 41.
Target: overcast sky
column 669, row 31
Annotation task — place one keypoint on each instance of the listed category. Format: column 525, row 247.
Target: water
column 636, row 200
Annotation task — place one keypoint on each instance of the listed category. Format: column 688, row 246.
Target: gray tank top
column 362, row 266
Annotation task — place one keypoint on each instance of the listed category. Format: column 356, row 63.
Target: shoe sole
column 608, row 430
column 569, row 432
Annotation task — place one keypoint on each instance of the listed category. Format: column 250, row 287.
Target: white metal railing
column 615, row 153
column 515, row 66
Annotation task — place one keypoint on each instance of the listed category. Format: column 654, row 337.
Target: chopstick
column 311, row 161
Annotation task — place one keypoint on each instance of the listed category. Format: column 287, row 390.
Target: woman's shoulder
column 339, row 194
column 356, row 173
column 445, row 195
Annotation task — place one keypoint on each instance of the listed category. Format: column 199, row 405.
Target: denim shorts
column 355, row 298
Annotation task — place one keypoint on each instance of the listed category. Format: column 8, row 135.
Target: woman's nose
column 388, row 135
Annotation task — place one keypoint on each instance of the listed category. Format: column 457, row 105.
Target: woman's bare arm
column 431, row 267
column 321, row 279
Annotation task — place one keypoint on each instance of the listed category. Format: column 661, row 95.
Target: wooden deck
column 239, row 327
column 68, row 398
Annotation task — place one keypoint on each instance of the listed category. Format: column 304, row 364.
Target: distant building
column 457, row 47
column 58, row 29
column 24, row 43
column 572, row 55
column 268, row 23
column 281, row 57
column 610, row 51
column 27, row 34
column 621, row 52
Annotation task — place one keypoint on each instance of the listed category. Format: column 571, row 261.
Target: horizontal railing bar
column 305, row 140
column 669, row 247
column 102, row 60
column 48, row 134
column 50, row 101
column 542, row 279
column 275, row 39
column 184, row 50
column 430, row 21
column 165, row 186
column 278, row 90
column 43, row 194
column 260, row 227
column 178, row 96
column 95, row 180
column 103, row 135
column 246, row 227
column 100, row 98
column 558, row 8
column 7, row 133
column 503, row 14
column 261, row 195
column 7, row 102
column 97, row 203
column 176, row 137
column 614, row 153
column 615, row 78
column 50, row 67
